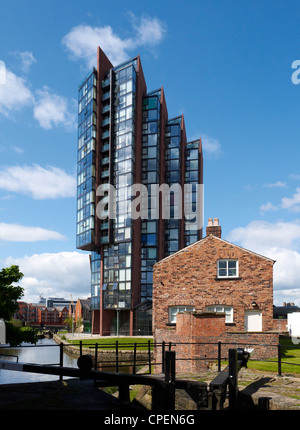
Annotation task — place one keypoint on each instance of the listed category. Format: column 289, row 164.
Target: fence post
column 163, row 394
column 80, row 348
column 117, row 356
column 61, row 357
column 149, row 356
column 134, row 358
column 163, row 348
column 233, row 387
column 219, row 356
column 170, row 366
column 96, row 355
column 279, row 359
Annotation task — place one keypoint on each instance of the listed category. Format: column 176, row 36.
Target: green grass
column 124, row 343
column 289, row 357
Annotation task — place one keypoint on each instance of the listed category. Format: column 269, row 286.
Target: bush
column 16, row 335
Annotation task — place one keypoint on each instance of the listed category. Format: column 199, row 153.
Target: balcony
column 105, row 83
column 105, row 148
column 106, row 109
column 105, row 135
column 105, row 122
column 106, row 96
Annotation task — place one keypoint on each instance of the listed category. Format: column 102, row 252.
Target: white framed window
column 228, row 268
column 228, row 310
column 174, row 310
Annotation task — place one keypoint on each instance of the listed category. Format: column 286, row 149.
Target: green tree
column 9, row 294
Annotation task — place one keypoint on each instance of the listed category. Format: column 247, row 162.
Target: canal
column 47, row 352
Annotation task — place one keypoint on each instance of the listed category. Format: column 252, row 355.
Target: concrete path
column 69, row 394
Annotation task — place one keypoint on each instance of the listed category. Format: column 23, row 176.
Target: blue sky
column 226, row 66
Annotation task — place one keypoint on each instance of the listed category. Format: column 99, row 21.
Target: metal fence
column 136, row 355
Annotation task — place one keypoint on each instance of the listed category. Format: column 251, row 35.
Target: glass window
column 228, row 310
column 174, row 310
column 227, row 268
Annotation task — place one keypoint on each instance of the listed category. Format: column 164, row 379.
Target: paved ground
column 69, row 394
column 280, row 393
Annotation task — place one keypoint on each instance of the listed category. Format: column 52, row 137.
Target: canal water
column 46, row 352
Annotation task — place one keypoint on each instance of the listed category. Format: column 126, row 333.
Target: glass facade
column 172, row 177
column 191, row 177
column 87, row 121
column 108, row 126
column 150, row 175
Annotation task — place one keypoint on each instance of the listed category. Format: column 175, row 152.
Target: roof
column 205, row 239
column 85, row 303
column 283, row 310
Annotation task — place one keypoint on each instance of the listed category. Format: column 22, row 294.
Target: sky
column 231, row 68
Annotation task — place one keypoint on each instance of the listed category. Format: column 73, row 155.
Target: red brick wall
column 189, row 278
column 195, row 341
column 280, row 325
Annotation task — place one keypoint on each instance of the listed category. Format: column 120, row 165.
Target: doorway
column 253, row 320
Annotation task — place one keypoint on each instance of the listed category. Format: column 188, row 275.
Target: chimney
column 213, row 227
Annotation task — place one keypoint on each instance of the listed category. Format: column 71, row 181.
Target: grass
column 290, row 356
column 124, row 343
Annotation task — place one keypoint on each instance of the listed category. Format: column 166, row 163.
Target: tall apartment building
column 126, row 138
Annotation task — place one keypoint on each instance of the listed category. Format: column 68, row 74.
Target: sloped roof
column 204, row 240
column 85, row 303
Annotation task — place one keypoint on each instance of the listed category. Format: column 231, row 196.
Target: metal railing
column 164, row 383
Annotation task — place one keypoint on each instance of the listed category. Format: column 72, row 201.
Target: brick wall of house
column 189, row 277
column 195, row 341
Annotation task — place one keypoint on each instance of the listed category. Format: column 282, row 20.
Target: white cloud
column 37, row 181
column 49, row 109
column 295, row 176
column 259, row 235
column 27, row 59
column 211, row 146
column 21, row 233
column 268, row 207
column 292, row 203
column 149, row 31
column 14, row 93
column 82, row 41
column 52, row 110
column 279, row 241
column 54, row 274
column 278, row 184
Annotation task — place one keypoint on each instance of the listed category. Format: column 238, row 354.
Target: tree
column 9, row 294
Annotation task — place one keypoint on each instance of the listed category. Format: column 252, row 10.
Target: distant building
column 57, row 301
column 52, row 316
column 284, row 310
column 83, row 313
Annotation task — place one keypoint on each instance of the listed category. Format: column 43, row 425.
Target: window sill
column 228, row 278
column 171, row 324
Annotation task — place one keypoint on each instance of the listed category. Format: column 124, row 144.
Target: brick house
column 208, row 278
column 83, row 313
column 52, row 316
